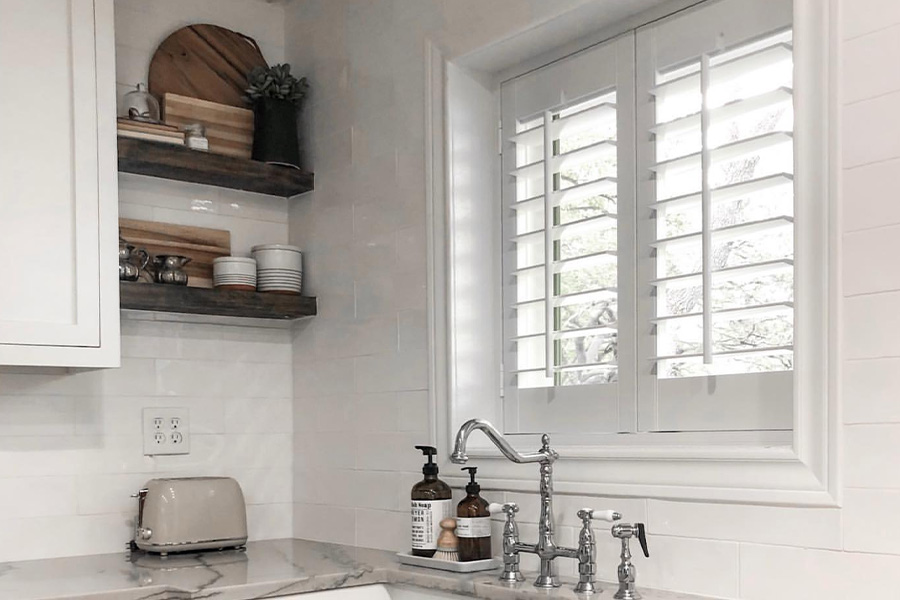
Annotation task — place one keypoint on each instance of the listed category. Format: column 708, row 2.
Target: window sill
column 772, row 475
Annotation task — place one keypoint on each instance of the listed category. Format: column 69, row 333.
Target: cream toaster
column 183, row 514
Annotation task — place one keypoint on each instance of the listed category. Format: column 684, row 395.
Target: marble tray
column 473, row 566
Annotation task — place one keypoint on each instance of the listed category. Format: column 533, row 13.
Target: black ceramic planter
column 275, row 132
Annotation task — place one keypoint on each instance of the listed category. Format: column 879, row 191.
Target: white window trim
column 739, row 470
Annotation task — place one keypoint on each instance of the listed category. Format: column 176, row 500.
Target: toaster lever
column 139, row 530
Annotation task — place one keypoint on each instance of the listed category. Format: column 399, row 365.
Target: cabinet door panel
column 49, row 205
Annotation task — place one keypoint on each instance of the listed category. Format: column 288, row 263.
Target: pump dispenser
column 431, row 504
column 473, row 522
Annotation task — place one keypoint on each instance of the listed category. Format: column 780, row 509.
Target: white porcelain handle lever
column 609, row 516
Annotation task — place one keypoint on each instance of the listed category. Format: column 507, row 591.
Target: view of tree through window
column 740, row 103
column 723, row 217
column 581, row 290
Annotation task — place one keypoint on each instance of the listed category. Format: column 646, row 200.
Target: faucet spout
column 546, row 547
column 459, row 456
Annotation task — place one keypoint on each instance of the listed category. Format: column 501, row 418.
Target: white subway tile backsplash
column 868, row 196
column 413, row 331
column 109, row 494
column 335, row 337
column 807, row 527
column 325, row 523
column 269, row 521
column 380, row 492
column 870, row 453
column 867, row 131
column 871, row 326
column 251, row 415
column 65, row 535
column 23, row 456
column 377, row 413
column 37, row 497
column 786, row 573
column 414, row 410
column 263, row 486
column 870, row 521
column 405, row 371
column 323, row 377
column 382, row 529
column 337, row 415
column 37, row 416
column 869, row 261
column 869, row 391
column 376, row 334
column 864, row 75
column 388, row 451
column 859, row 19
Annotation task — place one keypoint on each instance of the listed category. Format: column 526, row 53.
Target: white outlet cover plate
column 166, row 431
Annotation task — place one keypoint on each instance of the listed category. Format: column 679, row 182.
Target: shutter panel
column 718, row 247
column 561, row 194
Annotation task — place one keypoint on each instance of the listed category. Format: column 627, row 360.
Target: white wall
column 70, row 442
column 360, row 378
column 360, row 367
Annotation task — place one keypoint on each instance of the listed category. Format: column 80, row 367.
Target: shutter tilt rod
column 548, row 248
column 706, row 208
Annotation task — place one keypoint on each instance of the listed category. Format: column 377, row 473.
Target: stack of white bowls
column 234, row 272
column 279, row 268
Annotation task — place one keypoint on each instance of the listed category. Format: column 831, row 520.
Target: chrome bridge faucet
column 545, row 548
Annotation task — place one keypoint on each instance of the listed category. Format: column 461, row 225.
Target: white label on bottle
column 426, row 522
column 475, row 527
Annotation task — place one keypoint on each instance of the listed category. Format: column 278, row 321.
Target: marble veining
column 264, row 570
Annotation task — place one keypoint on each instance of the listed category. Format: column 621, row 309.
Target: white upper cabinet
column 58, row 184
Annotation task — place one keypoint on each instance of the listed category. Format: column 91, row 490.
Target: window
column 654, row 294
column 661, row 263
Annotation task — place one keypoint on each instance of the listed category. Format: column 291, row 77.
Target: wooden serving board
column 201, row 244
column 229, row 129
column 205, row 61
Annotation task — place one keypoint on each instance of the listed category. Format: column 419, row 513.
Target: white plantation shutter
column 648, row 230
column 564, row 203
column 716, row 243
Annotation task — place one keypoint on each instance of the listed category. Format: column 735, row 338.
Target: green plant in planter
column 276, row 96
column 275, row 82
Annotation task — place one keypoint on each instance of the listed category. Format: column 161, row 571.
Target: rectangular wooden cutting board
column 229, row 129
column 201, row 244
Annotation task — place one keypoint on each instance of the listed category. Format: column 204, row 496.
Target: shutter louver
column 565, row 244
column 724, row 212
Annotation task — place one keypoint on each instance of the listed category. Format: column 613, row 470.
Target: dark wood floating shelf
column 226, row 303
column 183, row 164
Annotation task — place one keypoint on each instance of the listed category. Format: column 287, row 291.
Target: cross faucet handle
column 511, row 573
column 587, row 548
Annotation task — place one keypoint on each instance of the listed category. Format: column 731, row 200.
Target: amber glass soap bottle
column 473, row 522
column 431, row 504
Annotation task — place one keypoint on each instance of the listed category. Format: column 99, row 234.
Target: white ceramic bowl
column 278, row 256
column 234, row 265
column 281, row 275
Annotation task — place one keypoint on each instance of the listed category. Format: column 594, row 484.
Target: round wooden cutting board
column 206, row 62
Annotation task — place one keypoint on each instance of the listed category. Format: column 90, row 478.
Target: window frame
column 747, row 467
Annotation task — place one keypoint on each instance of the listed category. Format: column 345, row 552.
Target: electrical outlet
column 166, row 431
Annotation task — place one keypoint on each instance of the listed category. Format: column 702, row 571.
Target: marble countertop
column 264, row 570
